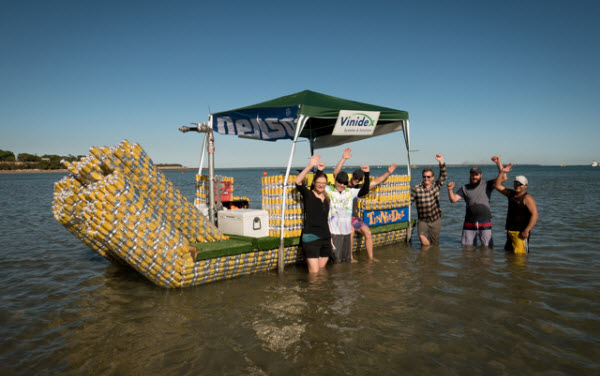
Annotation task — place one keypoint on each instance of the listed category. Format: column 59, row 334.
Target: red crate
column 224, row 191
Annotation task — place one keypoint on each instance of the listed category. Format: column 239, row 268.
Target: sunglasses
column 342, row 183
column 518, row 184
column 427, row 176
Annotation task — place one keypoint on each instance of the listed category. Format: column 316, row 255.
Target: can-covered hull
column 119, row 204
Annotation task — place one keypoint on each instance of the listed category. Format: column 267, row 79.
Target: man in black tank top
column 522, row 211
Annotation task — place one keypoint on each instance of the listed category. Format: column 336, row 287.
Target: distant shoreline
column 64, row 170
column 32, row 171
column 182, row 168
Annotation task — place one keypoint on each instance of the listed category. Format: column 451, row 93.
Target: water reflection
column 517, row 261
column 411, row 311
column 281, row 322
column 476, row 257
column 318, row 280
column 428, row 264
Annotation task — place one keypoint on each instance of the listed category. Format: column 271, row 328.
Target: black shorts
column 317, row 248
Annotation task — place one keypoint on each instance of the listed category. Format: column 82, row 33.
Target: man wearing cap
column 340, row 214
column 478, row 218
column 427, row 197
column 358, row 175
column 522, row 210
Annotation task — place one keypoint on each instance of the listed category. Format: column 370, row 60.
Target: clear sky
column 515, row 78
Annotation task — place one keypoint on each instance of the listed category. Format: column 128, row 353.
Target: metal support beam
column 300, row 122
column 406, row 132
column 210, row 139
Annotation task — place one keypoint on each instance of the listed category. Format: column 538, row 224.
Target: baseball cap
column 358, row 174
column 521, row 179
column 342, row 178
column 476, row 170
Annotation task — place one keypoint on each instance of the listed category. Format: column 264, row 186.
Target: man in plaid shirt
column 427, row 197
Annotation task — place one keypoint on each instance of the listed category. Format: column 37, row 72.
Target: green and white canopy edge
column 315, row 120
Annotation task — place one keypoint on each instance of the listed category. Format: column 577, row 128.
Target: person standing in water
column 478, row 218
column 522, row 210
column 316, row 237
column 340, row 214
column 358, row 225
column 427, row 197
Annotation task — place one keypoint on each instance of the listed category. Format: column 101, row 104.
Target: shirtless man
column 522, row 210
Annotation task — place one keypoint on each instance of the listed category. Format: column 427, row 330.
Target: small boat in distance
column 594, row 164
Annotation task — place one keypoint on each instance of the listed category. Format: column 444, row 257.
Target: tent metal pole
column 211, row 177
column 202, row 153
column 280, row 259
column 407, row 142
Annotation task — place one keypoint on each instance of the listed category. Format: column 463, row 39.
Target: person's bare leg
column 313, row 265
column 352, row 246
column 366, row 233
column 424, row 241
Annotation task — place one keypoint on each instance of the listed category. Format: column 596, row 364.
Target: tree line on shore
column 26, row 161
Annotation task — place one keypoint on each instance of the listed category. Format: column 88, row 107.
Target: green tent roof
column 319, row 105
column 321, row 112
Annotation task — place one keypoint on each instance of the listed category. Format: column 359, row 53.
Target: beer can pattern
column 393, row 193
column 118, row 203
column 290, row 213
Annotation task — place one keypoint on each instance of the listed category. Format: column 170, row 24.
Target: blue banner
column 385, row 217
column 269, row 123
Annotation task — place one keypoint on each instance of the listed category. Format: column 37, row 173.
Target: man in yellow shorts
column 522, row 211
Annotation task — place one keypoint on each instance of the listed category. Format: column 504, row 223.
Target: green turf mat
column 267, row 243
column 222, row 248
column 237, row 244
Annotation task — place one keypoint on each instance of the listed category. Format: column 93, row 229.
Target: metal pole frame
column 300, row 123
column 202, row 153
column 211, row 177
column 406, row 131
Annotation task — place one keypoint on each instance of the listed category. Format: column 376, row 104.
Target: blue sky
column 515, row 78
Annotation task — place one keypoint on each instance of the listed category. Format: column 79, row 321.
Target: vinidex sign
column 355, row 123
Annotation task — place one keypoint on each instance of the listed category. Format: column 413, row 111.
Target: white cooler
column 246, row 222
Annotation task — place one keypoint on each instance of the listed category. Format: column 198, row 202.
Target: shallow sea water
column 444, row 311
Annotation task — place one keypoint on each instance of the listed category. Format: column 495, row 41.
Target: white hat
column 521, row 179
